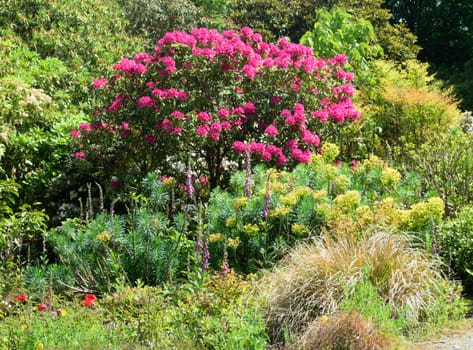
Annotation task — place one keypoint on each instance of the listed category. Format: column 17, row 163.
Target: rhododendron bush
column 209, row 101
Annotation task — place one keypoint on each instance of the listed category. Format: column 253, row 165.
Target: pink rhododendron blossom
column 226, row 125
column 271, row 131
column 202, row 130
column 178, row 115
column 275, row 99
column 115, row 106
column 223, row 113
column 80, row 155
column 145, row 101
column 256, row 147
column 240, row 147
column 204, row 117
column 151, row 139
column 143, row 57
column 100, row 83
column 130, row 66
column 74, row 133
column 267, row 156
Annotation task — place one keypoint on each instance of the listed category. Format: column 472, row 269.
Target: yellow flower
column 24, row 327
column 330, row 152
column 342, row 182
column 324, row 318
column 251, row 229
column 319, row 195
column 216, row 238
column 233, row 243
column 230, row 222
column 40, row 346
column 240, row 202
column 348, row 201
column 299, row 229
column 390, row 177
column 63, row 312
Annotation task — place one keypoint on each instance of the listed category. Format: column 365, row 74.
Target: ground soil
column 460, row 338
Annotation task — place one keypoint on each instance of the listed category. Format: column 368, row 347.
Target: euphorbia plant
column 213, row 99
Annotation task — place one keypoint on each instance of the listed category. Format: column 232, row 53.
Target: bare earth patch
column 457, row 339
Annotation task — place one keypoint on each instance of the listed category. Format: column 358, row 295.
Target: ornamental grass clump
column 314, row 279
column 214, row 98
column 343, row 330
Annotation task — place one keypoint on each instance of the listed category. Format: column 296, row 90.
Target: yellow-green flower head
column 299, row 229
column 168, row 181
column 240, row 203
column 233, row 243
column 279, row 211
column 251, row 229
column 290, row 199
column 373, row 162
column 364, row 215
column 329, row 171
column 231, row 222
column 216, row 238
column 104, row 237
column 390, row 177
column 342, row 182
column 348, row 201
column 319, row 195
column 330, row 152
column 424, row 213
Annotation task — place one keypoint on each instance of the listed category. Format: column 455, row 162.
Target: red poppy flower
column 22, row 298
column 89, row 299
column 42, row 307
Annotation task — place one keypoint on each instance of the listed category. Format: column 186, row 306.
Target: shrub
column 410, row 110
column 264, row 212
column 144, row 245
column 338, row 31
column 153, row 19
column 445, row 166
column 456, row 245
column 342, row 330
column 265, row 99
column 311, row 281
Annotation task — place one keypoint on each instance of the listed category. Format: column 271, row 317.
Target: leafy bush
column 206, row 312
column 144, row 245
column 79, row 33
column 338, row 31
column 153, row 19
column 312, row 280
column 410, row 110
column 264, row 212
column 445, row 165
column 456, row 245
column 265, row 99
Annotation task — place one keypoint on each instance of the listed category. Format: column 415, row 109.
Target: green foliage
column 152, row 19
column 76, row 32
column 445, row 165
column 143, row 245
column 276, row 18
column 456, row 242
column 336, row 32
column 406, row 110
column 207, row 312
column 286, row 207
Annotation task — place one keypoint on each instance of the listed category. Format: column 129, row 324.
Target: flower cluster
column 208, row 93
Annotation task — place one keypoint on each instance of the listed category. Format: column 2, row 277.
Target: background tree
column 444, row 30
column 277, row 18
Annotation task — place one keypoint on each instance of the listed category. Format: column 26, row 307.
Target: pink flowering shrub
column 209, row 98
